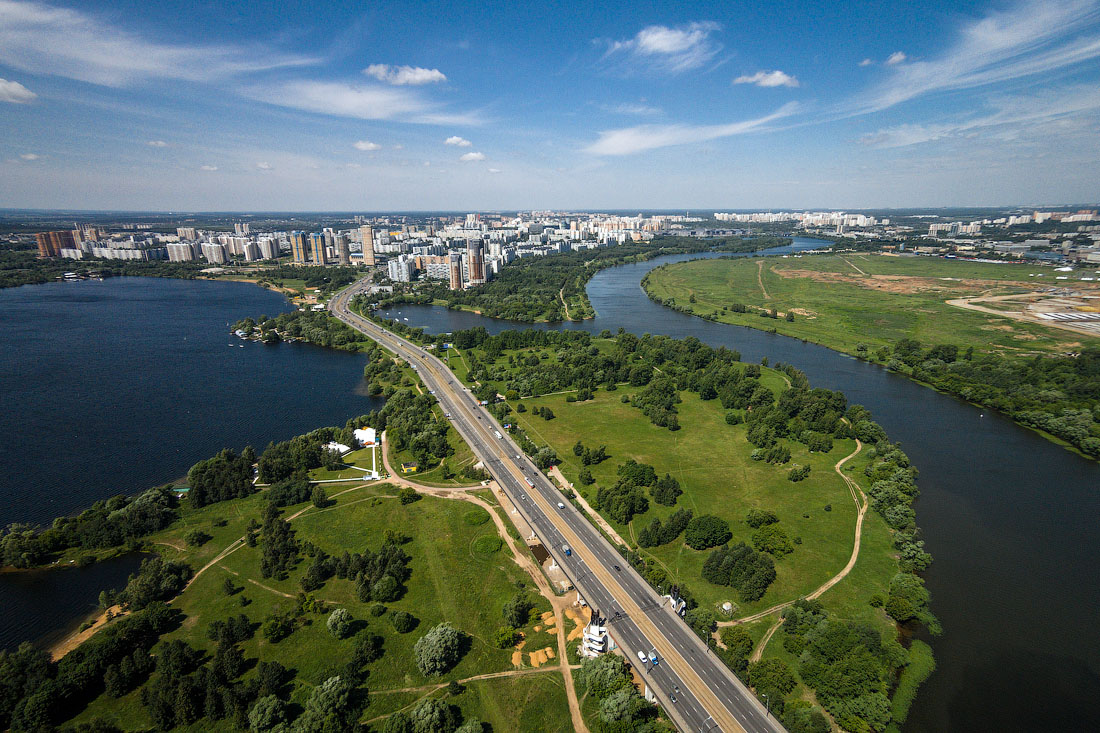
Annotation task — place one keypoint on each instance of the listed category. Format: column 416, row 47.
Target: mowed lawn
column 450, row 581
column 711, row 461
column 893, row 298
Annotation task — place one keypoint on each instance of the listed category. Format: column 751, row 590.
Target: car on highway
column 560, row 505
column 653, row 659
column 642, row 657
column 617, row 568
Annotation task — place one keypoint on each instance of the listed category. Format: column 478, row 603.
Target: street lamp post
column 767, row 703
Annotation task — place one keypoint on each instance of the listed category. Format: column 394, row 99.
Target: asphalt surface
column 696, row 690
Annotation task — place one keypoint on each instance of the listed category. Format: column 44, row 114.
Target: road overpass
column 697, row 690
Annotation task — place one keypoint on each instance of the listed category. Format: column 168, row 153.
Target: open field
column 442, row 539
column 842, row 301
column 711, row 461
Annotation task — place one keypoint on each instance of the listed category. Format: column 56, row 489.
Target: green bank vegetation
column 720, row 475
column 894, row 314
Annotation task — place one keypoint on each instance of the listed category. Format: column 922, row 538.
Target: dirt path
column 860, row 500
column 861, row 272
column 760, row 278
column 596, row 516
column 523, row 560
column 758, row 652
column 1021, row 316
column 561, row 295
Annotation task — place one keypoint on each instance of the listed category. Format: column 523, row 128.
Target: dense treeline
column 326, row 279
column 37, row 694
column 120, row 520
column 316, row 327
column 225, row 476
column 1057, row 394
column 607, row 679
column 531, row 288
column 23, row 267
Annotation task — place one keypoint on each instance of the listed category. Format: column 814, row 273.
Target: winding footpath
column 860, row 500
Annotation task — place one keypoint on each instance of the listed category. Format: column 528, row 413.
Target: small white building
column 365, row 437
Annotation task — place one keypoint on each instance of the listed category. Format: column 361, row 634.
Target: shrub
column 798, row 473
column 339, row 623
column 196, row 538
column 408, row 495
column 773, row 540
column 506, row 637
column 759, row 517
column 475, row 517
column 403, row 621
column 707, row 531
column 487, row 544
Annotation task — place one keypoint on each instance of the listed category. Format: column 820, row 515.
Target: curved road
column 708, row 697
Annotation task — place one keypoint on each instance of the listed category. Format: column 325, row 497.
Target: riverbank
column 879, row 309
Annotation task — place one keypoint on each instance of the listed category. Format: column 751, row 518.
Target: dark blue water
column 112, row 387
column 1009, row 517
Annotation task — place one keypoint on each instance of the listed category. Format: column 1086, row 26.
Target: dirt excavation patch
column 541, row 657
column 579, row 622
column 897, row 284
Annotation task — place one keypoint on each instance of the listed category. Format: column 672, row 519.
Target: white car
column 643, row 657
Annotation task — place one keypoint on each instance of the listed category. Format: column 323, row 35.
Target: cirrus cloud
column 896, row 58
column 404, row 75
column 15, row 93
column 669, row 49
column 775, row 78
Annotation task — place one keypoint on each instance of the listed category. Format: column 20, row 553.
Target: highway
column 696, row 690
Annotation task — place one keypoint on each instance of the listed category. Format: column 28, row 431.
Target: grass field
column 711, row 461
column 840, row 301
column 444, row 560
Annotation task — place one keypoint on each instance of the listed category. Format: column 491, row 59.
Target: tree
column 759, row 517
column 408, row 495
column 339, row 623
column 386, row 589
column 585, row 477
column 328, row 709
column 320, row 497
column 738, row 647
column 439, row 649
column 432, row 715
column 707, row 531
column 517, row 611
column 196, row 538
column 773, row 540
column 506, row 637
column 403, row 621
column 268, row 714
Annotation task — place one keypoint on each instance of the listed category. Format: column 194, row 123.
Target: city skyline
column 415, row 107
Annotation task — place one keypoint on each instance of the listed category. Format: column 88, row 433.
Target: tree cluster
column 657, row 533
column 225, row 476
column 742, row 568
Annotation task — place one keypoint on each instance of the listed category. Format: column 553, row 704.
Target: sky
column 201, row 105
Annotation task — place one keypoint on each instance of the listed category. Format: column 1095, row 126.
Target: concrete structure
column 475, row 262
column 454, row 265
column 214, row 253
column 401, row 268
column 183, row 252
column 250, row 252
column 269, row 248
column 50, row 244
column 299, row 248
column 187, row 233
column 366, row 236
column 343, row 249
column 317, row 249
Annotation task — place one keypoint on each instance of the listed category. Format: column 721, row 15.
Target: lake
column 115, row 386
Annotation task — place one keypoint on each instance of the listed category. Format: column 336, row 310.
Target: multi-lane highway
column 695, row 688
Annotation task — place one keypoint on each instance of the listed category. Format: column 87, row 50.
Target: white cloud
column 468, row 157
column 48, row 40
column 208, row 167
column 670, row 49
column 1029, row 41
column 630, row 108
column 157, row 144
column 896, row 58
column 29, row 156
column 1012, row 117
column 866, row 62
column 361, row 102
column 14, row 92
column 494, row 170
column 366, row 145
column 264, row 166
column 775, row 78
column 404, row 75
column 459, row 141
column 398, row 146
column 630, row 140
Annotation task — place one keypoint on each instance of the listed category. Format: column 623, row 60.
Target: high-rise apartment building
column 182, row 252
column 269, row 248
column 188, row 233
column 475, row 262
column 299, row 249
column 214, row 253
column 317, row 248
column 454, row 262
column 50, row 244
column 366, row 235
column 240, row 228
column 343, row 249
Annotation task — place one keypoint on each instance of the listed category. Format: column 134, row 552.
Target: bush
column 757, row 518
column 773, row 540
column 487, row 544
column 506, row 637
column 707, row 531
column 197, row 538
column 439, row 649
column 403, row 621
column 517, row 611
column 798, row 473
column 408, row 495
column 339, row 623
column 320, row 497
column 474, row 517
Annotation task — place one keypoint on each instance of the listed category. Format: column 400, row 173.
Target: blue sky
column 382, row 106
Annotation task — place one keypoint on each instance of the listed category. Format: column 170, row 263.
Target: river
column 1009, row 517
column 115, row 386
